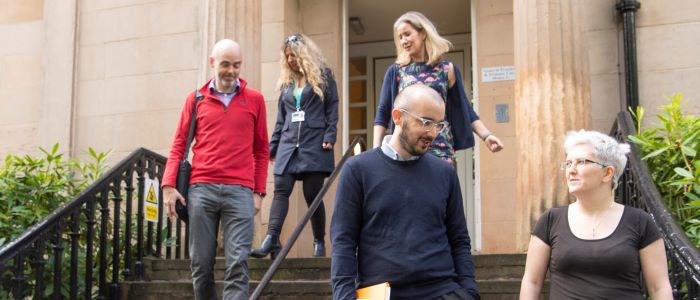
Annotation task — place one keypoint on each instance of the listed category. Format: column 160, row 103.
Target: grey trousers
column 208, row 204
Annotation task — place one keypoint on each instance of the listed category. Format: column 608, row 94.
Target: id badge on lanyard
column 298, row 116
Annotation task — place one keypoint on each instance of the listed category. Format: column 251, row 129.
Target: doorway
column 371, row 52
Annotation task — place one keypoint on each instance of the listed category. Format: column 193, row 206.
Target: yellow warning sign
column 152, row 195
column 150, row 200
column 152, row 213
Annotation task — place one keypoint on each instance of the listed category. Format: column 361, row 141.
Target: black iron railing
column 88, row 246
column 637, row 189
column 352, row 150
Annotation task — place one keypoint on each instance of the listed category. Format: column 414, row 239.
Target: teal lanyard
column 297, row 95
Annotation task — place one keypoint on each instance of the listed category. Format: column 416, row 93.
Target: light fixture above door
column 356, row 25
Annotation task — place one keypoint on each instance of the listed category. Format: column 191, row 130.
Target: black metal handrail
column 637, row 189
column 91, row 225
column 304, row 220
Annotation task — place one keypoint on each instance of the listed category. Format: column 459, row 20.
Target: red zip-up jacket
column 230, row 143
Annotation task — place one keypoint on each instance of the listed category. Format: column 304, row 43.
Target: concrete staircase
column 498, row 278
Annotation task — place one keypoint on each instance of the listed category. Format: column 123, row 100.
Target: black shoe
column 270, row 245
column 319, row 248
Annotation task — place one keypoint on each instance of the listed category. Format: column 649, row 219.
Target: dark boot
column 270, row 245
column 319, row 248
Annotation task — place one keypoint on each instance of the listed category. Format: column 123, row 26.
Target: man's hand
column 327, row 146
column 170, row 195
column 257, row 201
column 493, row 143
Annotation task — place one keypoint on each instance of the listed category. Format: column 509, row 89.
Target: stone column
column 552, row 96
column 56, row 122
column 240, row 21
column 244, row 24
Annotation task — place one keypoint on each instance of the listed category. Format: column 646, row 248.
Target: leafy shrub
column 31, row 188
column 670, row 150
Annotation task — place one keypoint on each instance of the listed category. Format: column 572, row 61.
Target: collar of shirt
column 212, row 87
column 391, row 153
column 224, row 97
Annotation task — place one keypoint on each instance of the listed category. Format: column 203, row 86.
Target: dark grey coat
column 297, row 146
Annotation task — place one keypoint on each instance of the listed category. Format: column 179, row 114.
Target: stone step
column 498, row 277
column 488, row 266
column 182, row 289
column 290, row 269
column 499, row 266
column 288, row 289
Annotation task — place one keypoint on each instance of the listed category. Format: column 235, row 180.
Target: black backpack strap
column 193, row 124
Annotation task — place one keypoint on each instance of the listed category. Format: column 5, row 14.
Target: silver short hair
column 606, row 149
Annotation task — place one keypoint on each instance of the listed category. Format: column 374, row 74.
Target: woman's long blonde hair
column 311, row 62
column 435, row 45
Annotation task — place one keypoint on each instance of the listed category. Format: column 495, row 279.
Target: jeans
column 313, row 182
column 233, row 206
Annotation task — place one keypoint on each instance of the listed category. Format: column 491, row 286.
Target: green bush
column 33, row 187
column 670, row 150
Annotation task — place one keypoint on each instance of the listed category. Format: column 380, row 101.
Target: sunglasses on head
column 293, row 39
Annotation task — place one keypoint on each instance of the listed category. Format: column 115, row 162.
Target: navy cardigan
column 458, row 109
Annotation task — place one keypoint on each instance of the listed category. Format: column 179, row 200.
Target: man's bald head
column 417, row 111
column 225, row 61
column 224, row 46
column 414, row 93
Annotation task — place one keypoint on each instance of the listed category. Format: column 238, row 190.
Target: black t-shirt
column 606, row 268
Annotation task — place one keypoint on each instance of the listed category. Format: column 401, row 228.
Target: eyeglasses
column 577, row 163
column 293, row 39
column 428, row 125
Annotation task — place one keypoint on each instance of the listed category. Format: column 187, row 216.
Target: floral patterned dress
column 434, row 76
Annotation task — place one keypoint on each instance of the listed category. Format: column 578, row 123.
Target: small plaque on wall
column 501, row 73
column 502, row 113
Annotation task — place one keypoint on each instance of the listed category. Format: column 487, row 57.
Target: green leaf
column 683, row 172
column 655, row 153
column 691, row 138
column 692, row 196
column 637, row 140
column 688, row 151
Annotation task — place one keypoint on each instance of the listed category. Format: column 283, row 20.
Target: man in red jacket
column 229, row 172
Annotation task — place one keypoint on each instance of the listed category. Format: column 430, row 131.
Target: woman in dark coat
column 302, row 143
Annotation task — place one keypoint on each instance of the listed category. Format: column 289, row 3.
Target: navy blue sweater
column 401, row 222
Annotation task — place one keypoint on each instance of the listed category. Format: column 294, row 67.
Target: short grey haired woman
column 595, row 248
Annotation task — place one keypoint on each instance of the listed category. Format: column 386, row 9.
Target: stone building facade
column 113, row 74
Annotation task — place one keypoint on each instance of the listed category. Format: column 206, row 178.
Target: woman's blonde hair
column 311, row 62
column 435, row 45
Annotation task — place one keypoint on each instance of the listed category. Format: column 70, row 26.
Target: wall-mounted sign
column 501, row 73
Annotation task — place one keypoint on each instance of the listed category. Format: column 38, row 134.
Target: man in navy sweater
column 398, row 215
